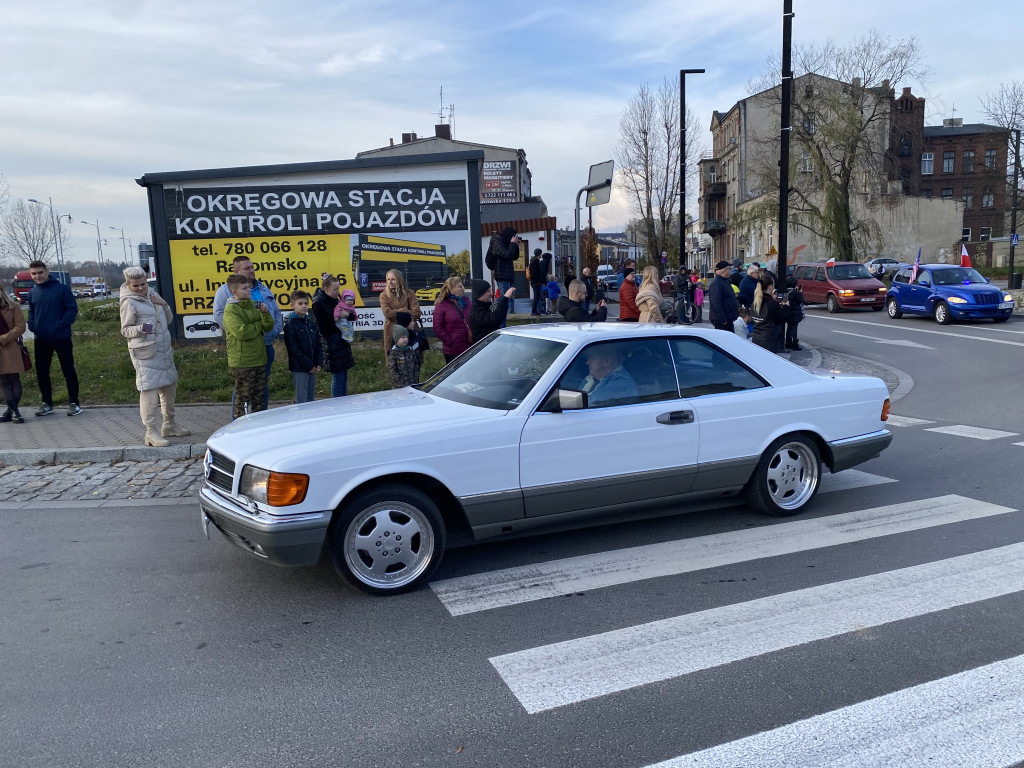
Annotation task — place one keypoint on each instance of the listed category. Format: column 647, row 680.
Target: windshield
column 849, row 272
column 957, row 276
column 496, row 373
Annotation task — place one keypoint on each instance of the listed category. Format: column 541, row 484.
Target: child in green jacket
column 245, row 322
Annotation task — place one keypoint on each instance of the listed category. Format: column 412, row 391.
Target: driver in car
column 608, row 382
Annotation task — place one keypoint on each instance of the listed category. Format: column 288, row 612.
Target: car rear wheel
column 893, row 308
column 787, row 477
column 832, row 303
column 942, row 313
column 388, row 540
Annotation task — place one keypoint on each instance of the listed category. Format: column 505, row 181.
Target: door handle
column 676, row 417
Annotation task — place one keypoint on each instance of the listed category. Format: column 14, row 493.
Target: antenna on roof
column 446, row 112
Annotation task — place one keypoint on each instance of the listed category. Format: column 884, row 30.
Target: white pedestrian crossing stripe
column 576, row 670
column 849, row 479
column 905, row 421
column 970, row 719
column 513, row 586
column 978, row 433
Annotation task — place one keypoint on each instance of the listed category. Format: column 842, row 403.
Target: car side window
column 799, row 273
column 923, row 278
column 622, row 373
column 819, row 275
column 703, row 369
column 903, row 276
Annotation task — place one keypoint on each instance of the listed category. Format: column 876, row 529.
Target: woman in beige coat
column 396, row 297
column 649, row 298
column 144, row 322
column 11, row 364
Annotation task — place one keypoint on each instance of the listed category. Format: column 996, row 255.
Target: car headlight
column 277, row 489
column 846, row 292
column 956, row 300
column 1007, row 297
column 883, row 289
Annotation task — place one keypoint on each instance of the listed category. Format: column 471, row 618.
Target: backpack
column 491, row 260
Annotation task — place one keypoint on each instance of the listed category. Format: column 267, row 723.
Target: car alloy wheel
column 942, row 313
column 893, row 309
column 832, row 303
column 388, row 540
column 787, row 477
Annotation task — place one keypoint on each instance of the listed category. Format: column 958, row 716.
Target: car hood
column 860, row 284
column 360, row 421
column 974, row 289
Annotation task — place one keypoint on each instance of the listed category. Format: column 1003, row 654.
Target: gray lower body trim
column 489, row 508
column 852, row 451
column 727, row 474
column 608, row 492
column 292, row 540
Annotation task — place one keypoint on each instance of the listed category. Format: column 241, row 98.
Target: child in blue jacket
column 552, row 291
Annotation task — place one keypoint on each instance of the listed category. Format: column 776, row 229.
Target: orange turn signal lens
column 885, row 410
column 285, row 489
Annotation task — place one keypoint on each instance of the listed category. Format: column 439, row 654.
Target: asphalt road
column 128, row 639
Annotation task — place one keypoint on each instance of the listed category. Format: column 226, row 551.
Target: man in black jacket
column 538, row 277
column 51, row 311
column 724, row 309
column 504, row 250
column 571, row 306
column 487, row 314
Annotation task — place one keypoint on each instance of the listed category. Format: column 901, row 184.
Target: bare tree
column 26, row 232
column 1005, row 108
column 841, row 120
column 647, row 156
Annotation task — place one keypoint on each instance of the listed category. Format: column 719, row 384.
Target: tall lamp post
column 787, row 95
column 54, row 222
column 124, row 247
column 1013, row 205
column 682, row 162
column 99, row 246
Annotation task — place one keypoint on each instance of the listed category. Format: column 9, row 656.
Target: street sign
column 599, row 188
column 1015, row 241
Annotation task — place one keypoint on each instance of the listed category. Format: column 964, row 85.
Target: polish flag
column 965, row 260
column 831, row 262
column 917, row 266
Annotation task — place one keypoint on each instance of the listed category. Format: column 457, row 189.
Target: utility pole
column 682, row 163
column 1013, row 205
column 787, row 97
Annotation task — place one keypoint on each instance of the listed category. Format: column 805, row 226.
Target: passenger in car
column 608, row 383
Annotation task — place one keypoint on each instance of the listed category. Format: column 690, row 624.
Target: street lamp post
column 682, row 162
column 1013, row 204
column 54, row 222
column 124, row 247
column 99, row 246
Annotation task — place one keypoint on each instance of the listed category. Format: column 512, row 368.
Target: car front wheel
column 832, row 303
column 786, row 478
column 942, row 313
column 893, row 308
column 388, row 540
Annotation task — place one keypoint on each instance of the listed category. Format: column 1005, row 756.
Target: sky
column 96, row 93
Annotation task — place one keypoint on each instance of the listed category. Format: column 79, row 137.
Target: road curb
column 98, row 454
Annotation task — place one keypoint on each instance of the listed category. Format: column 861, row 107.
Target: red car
column 842, row 285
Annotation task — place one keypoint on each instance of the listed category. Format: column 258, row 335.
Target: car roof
column 569, row 332
column 822, row 263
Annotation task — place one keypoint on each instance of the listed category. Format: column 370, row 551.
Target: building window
column 906, row 147
column 965, row 235
column 927, row 163
column 990, row 158
column 947, row 161
column 968, row 197
column 947, row 193
column 969, row 161
column 986, row 233
column 926, row 193
column 805, row 162
column 809, row 124
column 988, row 200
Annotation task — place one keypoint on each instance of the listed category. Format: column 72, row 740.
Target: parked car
column 202, row 325
column 843, row 285
column 668, row 283
column 700, row 416
column 884, row 266
column 429, row 293
column 947, row 292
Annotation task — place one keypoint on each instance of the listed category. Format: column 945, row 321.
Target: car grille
column 220, row 472
column 987, row 298
column 867, row 292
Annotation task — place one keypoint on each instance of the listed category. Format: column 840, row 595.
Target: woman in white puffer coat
column 144, row 322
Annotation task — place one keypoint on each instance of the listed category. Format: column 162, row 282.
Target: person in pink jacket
column 451, row 319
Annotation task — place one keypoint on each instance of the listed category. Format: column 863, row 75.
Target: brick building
column 968, row 163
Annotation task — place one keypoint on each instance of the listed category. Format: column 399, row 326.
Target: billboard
column 355, row 219
column 498, row 182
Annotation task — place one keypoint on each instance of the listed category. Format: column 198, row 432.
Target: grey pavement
column 97, row 459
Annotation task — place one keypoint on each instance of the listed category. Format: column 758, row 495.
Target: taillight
column 885, row 410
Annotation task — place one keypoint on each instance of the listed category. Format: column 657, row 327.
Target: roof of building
column 962, row 130
column 542, row 224
column 425, row 142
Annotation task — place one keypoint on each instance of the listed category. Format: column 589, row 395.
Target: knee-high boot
column 149, row 408
column 169, row 428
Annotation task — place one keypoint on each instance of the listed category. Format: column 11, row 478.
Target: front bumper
column 849, row 302
column 976, row 312
column 281, row 540
column 851, row 451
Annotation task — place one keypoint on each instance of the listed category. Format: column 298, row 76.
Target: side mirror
column 565, row 400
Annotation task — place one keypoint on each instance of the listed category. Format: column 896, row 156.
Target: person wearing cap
column 403, row 360
column 629, row 312
column 721, row 299
column 487, row 314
